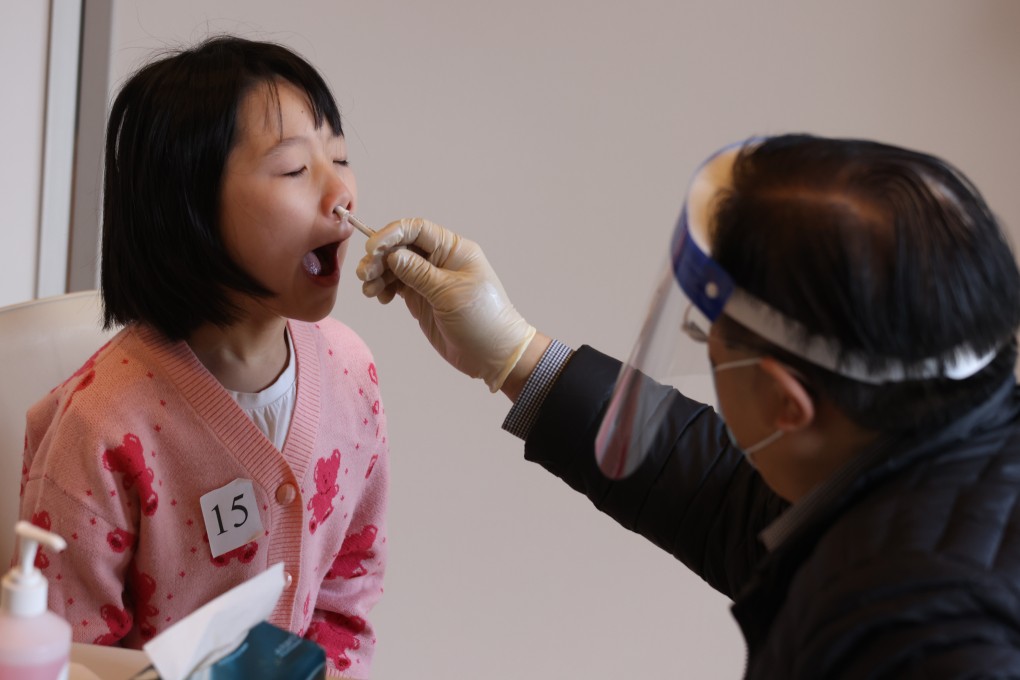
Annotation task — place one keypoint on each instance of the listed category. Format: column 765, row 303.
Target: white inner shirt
column 272, row 408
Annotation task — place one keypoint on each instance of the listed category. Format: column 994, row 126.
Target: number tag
column 231, row 516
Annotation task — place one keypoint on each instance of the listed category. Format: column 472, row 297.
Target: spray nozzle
column 29, row 538
column 24, row 588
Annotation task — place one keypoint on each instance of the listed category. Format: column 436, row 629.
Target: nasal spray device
column 35, row 643
column 344, row 213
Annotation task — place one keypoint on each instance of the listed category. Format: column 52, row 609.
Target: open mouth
column 322, row 260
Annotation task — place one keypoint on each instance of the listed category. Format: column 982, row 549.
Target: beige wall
column 23, row 49
column 560, row 135
column 39, row 51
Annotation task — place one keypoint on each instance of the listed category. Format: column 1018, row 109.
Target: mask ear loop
column 738, row 363
column 755, row 448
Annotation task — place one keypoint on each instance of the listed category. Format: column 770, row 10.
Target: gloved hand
column 454, row 294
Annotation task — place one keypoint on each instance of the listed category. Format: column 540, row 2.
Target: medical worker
column 855, row 492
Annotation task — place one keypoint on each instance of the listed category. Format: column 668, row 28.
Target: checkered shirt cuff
column 524, row 413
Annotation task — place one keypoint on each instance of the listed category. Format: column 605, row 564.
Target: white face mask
column 757, row 446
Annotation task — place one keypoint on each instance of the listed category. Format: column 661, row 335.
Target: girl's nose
column 338, row 191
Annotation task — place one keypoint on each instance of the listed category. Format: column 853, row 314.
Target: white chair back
column 42, row 343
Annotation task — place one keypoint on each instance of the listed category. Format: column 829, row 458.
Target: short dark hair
column 171, row 128
column 891, row 252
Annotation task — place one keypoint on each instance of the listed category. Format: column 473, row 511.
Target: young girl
column 231, row 424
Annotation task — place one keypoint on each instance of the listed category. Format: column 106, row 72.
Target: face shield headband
column 636, row 420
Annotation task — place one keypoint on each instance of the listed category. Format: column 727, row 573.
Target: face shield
column 692, row 293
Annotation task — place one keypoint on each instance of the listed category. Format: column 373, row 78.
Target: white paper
column 217, row 628
column 231, row 516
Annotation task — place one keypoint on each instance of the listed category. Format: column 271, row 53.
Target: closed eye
column 342, row 163
column 295, row 173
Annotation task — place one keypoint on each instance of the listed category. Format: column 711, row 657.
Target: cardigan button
column 285, row 494
column 287, row 579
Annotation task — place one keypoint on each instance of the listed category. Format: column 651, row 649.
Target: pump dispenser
column 35, row 643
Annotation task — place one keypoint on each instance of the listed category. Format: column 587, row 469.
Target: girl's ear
column 796, row 408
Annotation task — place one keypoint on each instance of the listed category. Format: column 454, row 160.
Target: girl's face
column 282, row 180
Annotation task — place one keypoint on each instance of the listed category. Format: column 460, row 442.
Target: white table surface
column 105, row 663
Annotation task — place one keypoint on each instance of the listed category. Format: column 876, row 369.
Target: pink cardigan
column 117, row 457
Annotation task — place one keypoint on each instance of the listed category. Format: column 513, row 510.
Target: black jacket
column 914, row 572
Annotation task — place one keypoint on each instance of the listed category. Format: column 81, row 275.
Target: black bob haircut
column 171, row 128
column 892, row 252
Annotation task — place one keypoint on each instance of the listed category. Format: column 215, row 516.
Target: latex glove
column 454, row 294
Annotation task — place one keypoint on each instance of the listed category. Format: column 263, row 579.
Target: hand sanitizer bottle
column 35, row 643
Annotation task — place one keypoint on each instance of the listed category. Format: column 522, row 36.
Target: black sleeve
column 695, row 496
